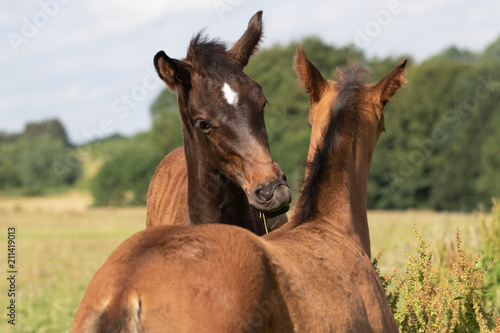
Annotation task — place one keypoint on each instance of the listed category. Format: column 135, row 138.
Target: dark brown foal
column 225, row 172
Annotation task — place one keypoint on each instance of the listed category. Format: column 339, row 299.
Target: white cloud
column 119, row 16
column 425, row 6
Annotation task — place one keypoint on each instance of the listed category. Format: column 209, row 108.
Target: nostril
column 264, row 193
column 283, row 177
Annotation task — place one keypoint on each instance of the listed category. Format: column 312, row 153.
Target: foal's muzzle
column 271, row 196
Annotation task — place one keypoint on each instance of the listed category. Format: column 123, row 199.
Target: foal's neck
column 212, row 198
column 340, row 201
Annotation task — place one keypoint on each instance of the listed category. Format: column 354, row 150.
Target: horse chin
column 281, row 211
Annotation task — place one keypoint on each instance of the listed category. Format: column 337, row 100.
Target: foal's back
column 220, row 278
column 204, row 278
column 167, row 194
column 329, row 281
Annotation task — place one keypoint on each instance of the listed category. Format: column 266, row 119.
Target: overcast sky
column 89, row 62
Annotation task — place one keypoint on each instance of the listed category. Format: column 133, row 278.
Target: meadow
column 61, row 241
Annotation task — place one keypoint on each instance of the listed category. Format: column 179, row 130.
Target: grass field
column 61, row 242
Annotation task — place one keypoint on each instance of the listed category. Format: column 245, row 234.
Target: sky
column 89, row 63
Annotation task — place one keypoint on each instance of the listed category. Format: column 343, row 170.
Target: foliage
column 166, row 132
column 40, row 162
column 38, row 158
column 456, row 55
column 52, row 127
column 124, row 180
column 427, row 299
column 490, row 249
column 9, row 176
column 386, row 281
column 94, row 154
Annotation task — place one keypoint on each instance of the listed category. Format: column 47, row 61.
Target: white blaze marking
column 230, row 95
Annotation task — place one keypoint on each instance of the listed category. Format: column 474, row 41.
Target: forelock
column 355, row 76
column 209, row 57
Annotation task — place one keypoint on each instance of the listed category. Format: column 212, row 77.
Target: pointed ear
column 387, row 87
column 310, row 78
column 247, row 44
column 172, row 71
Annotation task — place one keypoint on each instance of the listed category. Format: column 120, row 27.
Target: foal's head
column 222, row 111
column 347, row 118
column 354, row 108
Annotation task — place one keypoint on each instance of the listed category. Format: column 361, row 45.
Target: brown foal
column 225, row 172
column 312, row 275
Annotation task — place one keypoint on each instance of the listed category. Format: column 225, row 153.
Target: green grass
column 61, row 243
column 393, row 230
column 58, row 249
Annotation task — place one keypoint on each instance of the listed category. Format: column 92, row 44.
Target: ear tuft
column 310, row 79
column 172, row 71
column 388, row 86
column 158, row 61
column 246, row 46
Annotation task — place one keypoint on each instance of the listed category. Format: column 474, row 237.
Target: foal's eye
column 265, row 103
column 203, row 125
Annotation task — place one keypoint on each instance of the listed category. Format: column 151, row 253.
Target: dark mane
column 209, row 57
column 349, row 83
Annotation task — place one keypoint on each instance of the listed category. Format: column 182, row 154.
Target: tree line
column 29, row 160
